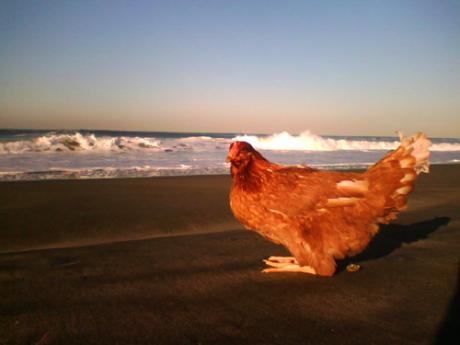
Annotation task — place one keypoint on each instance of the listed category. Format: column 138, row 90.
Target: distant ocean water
column 62, row 154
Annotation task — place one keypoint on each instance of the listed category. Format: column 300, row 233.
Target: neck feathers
column 250, row 176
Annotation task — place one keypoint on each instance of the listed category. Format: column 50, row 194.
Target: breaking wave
column 36, row 155
column 307, row 141
column 77, row 142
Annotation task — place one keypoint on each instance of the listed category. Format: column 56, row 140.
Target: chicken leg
column 285, row 264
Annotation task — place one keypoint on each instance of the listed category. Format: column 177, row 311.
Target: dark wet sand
column 207, row 288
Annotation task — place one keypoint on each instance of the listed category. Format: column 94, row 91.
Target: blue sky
column 333, row 67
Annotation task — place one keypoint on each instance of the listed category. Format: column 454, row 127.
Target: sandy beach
column 162, row 261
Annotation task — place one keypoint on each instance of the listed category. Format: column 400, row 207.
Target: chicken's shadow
column 393, row 236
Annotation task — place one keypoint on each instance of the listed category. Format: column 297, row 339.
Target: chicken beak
column 228, row 159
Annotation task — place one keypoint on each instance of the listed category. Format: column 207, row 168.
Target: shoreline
column 357, row 167
column 70, row 174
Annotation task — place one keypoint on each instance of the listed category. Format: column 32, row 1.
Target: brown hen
column 321, row 216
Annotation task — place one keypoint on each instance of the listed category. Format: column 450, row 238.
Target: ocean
column 83, row 154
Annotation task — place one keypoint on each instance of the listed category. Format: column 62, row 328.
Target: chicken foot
column 285, row 264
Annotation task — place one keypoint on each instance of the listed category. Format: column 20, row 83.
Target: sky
column 331, row 67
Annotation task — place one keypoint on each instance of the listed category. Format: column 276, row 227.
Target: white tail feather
column 419, row 145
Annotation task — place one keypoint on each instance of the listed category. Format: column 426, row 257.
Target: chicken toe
column 289, row 267
column 282, row 259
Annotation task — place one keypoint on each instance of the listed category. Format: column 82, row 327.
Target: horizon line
column 204, row 132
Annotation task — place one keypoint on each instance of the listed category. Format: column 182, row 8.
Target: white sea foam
column 307, row 141
column 79, row 155
column 79, row 143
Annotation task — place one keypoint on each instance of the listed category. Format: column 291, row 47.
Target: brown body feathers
column 321, row 216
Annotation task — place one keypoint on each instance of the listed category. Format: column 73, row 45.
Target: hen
column 320, row 216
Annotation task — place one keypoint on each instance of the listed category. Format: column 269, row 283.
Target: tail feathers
column 394, row 176
column 418, row 146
